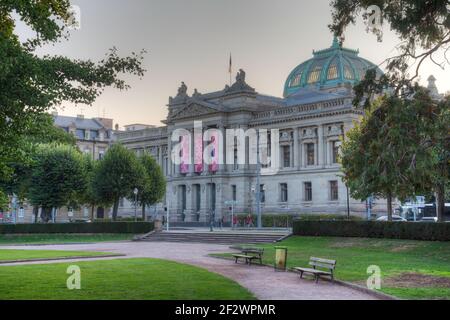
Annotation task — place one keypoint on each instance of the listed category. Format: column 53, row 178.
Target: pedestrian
column 235, row 221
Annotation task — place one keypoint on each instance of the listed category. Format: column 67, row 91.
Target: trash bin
column 280, row 258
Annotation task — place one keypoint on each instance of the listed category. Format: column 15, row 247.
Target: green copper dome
column 329, row 68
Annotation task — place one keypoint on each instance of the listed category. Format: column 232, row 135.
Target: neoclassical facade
column 314, row 113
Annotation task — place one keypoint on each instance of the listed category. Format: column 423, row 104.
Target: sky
column 191, row 41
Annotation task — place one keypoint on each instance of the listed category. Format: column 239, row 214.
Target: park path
column 263, row 282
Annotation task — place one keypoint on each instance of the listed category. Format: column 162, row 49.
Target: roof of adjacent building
column 78, row 122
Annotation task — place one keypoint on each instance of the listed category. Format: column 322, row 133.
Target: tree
column 58, row 178
column 423, row 27
column 153, row 188
column 31, row 84
column 116, row 175
column 44, row 132
column 398, row 150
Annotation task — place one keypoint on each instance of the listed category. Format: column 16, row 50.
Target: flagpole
column 230, row 71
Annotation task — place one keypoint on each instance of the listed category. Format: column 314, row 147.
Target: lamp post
column 135, row 191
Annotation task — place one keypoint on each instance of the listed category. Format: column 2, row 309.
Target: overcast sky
column 191, row 40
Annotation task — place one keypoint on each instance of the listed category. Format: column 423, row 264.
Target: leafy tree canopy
column 58, row 176
column 31, row 84
column 423, row 27
column 116, row 176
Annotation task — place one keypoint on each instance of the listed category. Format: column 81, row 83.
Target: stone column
column 169, row 156
column 160, row 156
column 203, row 203
column 296, row 163
column 302, row 155
column 320, row 147
column 189, row 203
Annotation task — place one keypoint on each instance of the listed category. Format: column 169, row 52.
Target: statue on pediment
column 240, row 77
column 196, row 94
column 182, row 90
column 240, row 84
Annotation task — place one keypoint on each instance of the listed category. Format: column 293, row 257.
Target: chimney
column 80, row 116
column 55, row 113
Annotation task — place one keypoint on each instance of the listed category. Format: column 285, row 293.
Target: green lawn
column 7, row 239
column 147, row 279
column 11, row 255
column 398, row 260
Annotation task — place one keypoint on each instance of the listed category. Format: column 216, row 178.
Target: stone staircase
column 217, row 237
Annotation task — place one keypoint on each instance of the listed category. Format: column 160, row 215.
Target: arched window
column 348, row 73
column 314, row 76
column 332, row 72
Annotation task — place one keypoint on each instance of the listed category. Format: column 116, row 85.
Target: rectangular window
column 308, row 191
column 121, row 203
column 334, row 191
column 262, row 191
column 310, row 156
column 94, row 134
column 283, row 192
column 335, row 151
column 286, row 156
column 80, row 134
column 234, row 192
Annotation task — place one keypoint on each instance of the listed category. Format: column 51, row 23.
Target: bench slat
column 321, row 265
column 315, row 271
column 320, row 260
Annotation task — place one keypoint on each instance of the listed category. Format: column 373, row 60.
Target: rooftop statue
column 240, row 84
column 182, row 90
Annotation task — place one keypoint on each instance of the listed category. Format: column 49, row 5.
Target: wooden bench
column 249, row 254
column 319, row 266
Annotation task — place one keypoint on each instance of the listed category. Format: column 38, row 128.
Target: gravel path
column 264, row 282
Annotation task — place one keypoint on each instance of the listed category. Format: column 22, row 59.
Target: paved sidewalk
column 264, row 282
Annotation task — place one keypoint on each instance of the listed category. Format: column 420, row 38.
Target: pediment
column 194, row 110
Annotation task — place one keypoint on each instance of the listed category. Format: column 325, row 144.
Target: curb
column 375, row 293
column 60, row 259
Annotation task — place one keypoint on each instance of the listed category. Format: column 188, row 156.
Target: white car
column 395, row 218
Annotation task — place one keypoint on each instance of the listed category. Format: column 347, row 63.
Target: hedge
column 374, row 229
column 94, row 227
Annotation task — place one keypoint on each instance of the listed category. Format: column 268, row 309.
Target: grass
column 12, row 239
column 121, row 279
column 30, row 255
column 395, row 258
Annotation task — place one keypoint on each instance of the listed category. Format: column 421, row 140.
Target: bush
column 327, row 217
column 374, row 229
column 95, row 227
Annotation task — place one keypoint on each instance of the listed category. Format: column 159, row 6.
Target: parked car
column 429, row 219
column 394, row 218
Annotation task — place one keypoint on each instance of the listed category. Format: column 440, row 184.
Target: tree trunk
column 92, row 213
column 115, row 210
column 440, row 203
column 143, row 212
column 389, row 207
column 35, row 213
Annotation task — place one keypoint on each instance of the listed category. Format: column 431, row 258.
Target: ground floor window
column 283, row 192
column 334, row 191
column 308, row 191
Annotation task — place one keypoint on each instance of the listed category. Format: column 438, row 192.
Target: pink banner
column 198, row 163
column 214, row 166
column 184, row 166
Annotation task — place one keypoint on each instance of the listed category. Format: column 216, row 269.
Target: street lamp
column 135, row 191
